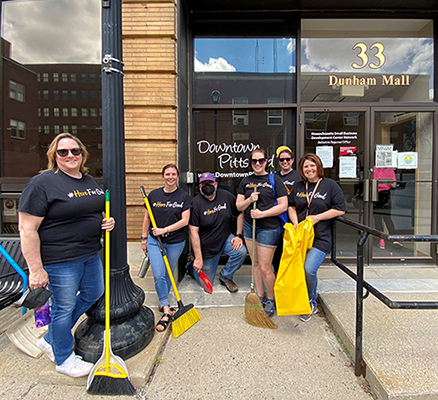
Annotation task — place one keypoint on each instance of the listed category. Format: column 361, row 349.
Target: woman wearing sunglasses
column 289, row 177
column 61, row 220
column 268, row 227
column 320, row 199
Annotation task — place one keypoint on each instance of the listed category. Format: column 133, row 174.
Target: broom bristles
column 107, row 386
column 255, row 314
column 184, row 321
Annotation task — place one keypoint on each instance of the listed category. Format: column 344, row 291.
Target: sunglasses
column 64, row 152
column 258, row 161
column 285, row 159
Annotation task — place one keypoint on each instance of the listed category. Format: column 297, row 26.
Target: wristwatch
column 240, row 236
column 143, row 238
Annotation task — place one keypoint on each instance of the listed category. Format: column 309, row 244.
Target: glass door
column 383, row 161
column 401, row 180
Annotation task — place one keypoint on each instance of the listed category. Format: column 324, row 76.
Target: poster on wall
column 325, row 153
column 347, row 167
column 407, row 160
column 385, row 156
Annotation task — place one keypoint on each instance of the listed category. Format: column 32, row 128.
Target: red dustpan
column 205, row 283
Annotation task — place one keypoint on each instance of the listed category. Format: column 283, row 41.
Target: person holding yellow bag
column 320, row 199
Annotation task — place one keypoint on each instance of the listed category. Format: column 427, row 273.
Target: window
column 56, row 129
column 45, row 95
column 65, row 112
column 45, row 77
column 73, row 94
column 93, row 77
column 56, row 112
column 275, row 117
column 74, row 129
column 55, row 77
column 240, row 117
column 17, row 129
column 46, row 112
column 65, row 95
column 64, row 77
column 46, row 129
column 84, row 129
column 100, row 111
column 39, row 112
column 83, row 77
column 83, row 94
column 74, row 112
column 93, row 112
column 17, row 91
column 73, row 77
column 56, row 95
column 93, row 94
column 65, row 128
column 84, row 112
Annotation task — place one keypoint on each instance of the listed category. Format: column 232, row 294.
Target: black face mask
column 208, row 190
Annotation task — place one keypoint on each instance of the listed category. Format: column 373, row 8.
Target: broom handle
column 166, row 262
column 253, row 242
column 107, row 281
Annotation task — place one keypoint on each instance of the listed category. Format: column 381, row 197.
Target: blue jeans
column 235, row 261
column 76, row 285
column 314, row 259
column 161, row 278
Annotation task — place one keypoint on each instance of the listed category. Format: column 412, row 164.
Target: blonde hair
column 51, row 153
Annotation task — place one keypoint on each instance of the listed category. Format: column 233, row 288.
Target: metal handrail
column 359, row 363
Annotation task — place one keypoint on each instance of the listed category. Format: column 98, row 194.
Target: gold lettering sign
column 364, row 56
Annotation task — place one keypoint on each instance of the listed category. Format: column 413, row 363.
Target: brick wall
column 149, row 54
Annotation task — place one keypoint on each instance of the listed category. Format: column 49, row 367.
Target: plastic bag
column 290, row 288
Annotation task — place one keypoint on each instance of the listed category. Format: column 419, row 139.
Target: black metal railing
column 361, row 284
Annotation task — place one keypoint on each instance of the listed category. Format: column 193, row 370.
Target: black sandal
column 172, row 310
column 163, row 322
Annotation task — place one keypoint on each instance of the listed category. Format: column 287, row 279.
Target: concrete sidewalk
column 222, row 356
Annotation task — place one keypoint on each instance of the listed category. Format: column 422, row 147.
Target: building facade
column 206, row 82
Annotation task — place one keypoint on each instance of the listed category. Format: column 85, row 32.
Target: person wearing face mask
column 211, row 235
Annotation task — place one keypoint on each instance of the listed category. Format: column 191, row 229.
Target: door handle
column 374, row 190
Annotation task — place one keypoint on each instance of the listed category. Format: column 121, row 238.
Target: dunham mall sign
column 384, row 80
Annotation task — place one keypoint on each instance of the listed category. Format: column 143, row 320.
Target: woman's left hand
column 108, row 224
column 237, row 243
column 256, row 214
column 160, row 231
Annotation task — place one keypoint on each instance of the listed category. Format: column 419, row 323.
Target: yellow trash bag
column 291, row 295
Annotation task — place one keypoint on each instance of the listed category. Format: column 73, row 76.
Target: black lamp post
column 215, row 97
column 132, row 324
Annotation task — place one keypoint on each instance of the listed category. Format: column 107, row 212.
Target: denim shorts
column 264, row 237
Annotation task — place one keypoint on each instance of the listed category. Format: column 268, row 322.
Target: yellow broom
column 186, row 316
column 109, row 375
column 254, row 311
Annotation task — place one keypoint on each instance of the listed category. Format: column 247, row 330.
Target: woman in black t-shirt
column 268, row 228
column 171, row 209
column 320, row 199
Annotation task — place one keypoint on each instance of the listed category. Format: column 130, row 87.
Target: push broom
column 186, row 316
column 109, row 375
column 254, row 311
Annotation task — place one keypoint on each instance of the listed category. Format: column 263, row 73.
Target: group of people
column 262, row 197
column 61, row 219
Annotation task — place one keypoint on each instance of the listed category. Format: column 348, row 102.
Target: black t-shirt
column 328, row 195
column 72, row 211
column 289, row 179
column 266, row 198
column 214, row 220
column 167, row 209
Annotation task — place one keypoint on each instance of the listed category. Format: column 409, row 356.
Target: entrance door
column 383, row 162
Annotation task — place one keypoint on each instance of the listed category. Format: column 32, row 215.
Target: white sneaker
column 74, row 366
column 46, row 348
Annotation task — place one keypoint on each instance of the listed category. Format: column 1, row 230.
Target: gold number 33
column 364, row 56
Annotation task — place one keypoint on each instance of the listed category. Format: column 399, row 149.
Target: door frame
column 369, row 143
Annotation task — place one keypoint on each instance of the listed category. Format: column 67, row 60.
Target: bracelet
column 143, row 238
column 240, row 236
column 317, row 218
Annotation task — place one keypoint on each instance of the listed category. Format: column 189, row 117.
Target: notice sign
column 407, row 160
column 333, row 137
column 347, row 167
column 9, row 207
column 385, row 156
column 325, row 153
column 347, row 150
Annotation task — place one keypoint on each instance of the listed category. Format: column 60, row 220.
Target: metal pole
column 132, row 325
